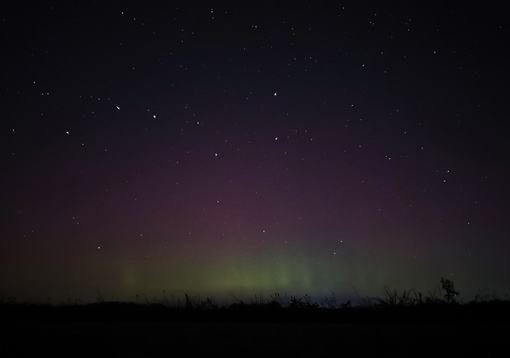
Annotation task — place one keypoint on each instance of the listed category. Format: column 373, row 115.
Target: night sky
column 241, row 149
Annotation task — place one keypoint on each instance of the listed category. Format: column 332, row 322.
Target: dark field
column 136, row 330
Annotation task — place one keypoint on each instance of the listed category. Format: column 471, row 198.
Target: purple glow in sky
column 241, row 150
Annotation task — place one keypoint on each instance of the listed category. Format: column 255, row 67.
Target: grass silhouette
column 440, row 305
column 397, row 323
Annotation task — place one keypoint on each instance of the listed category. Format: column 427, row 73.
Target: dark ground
column 239, row 339
column 123, row 330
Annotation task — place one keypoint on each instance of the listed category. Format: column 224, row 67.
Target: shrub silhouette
column 298, row 303
column 449, row 288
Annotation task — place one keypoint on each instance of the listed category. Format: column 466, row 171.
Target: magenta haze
column 246, row 150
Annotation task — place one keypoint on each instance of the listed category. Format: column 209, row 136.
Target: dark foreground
column 125, row 330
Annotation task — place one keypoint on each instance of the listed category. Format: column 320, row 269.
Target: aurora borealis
column 234, row 149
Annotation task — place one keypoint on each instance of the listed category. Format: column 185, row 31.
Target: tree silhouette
column 449, row 288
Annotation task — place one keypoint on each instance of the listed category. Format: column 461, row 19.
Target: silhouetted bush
column 450, row 292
